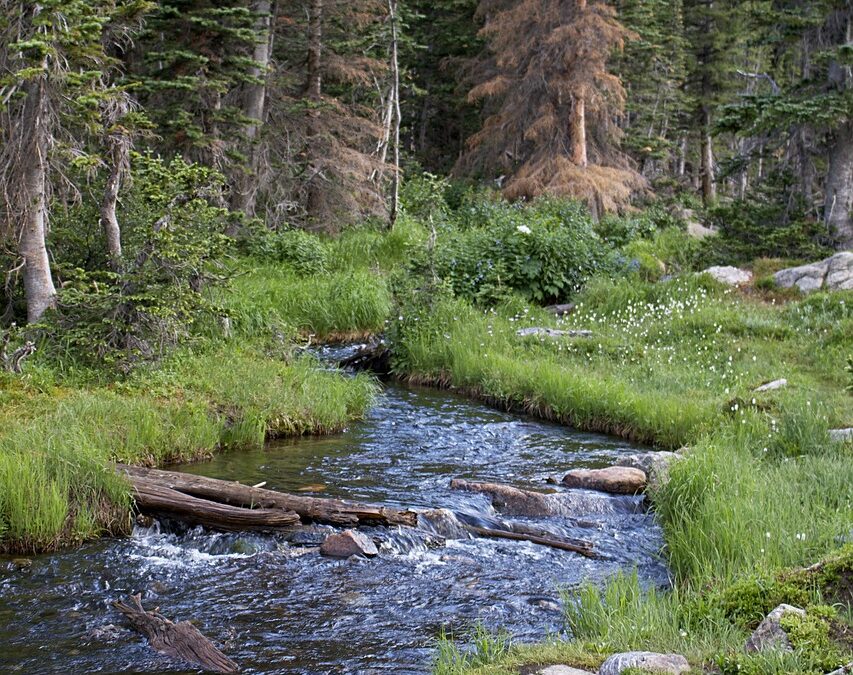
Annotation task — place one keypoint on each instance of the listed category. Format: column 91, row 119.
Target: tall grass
column 57, row 485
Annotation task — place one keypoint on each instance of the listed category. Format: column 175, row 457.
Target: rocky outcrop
column 675, row 664
column 832, row 274
column 621, row 480
column 770, row 634
column 552, row 333
column 731, row 276
column 347, row 543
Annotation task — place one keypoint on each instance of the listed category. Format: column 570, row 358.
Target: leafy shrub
column 306, row 253
column 545, row 251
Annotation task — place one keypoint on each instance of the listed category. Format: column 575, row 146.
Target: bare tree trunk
column 578, row 131
column 839, row 188
column 39, row 290
column 109, row 219
column 313, row 85
column 395, row 73
column 709, row 188
column 245, row 189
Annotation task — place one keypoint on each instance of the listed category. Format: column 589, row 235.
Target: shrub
column 545, row 251
column 305, row 253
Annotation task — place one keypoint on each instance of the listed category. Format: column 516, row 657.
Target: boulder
column 442, row 522
column 770, row 634
column 844, row 670
column 347, row 543
column 841, row 435
column 553, row 333
column 654, row 464
column 731, row 276
column 773, row 386
column 833, row 274
column 562, row 670
column 646, row 661
column 622, row 480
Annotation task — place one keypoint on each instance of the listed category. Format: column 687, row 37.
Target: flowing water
column 279, row 607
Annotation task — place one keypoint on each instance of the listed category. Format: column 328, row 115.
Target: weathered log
column 309, row 509
column 374, row 356
column 583, row 548
column 177, row 640
column 152, row 498
column 561, row 310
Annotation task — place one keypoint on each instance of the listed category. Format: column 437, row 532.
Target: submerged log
column 152, row 498
column 583, row 548
column 509, row 500
column 309, row 509
column 177, row 640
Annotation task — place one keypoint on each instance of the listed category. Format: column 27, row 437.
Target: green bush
column 544, row 251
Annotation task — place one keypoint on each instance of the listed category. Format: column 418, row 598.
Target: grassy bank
column 762, row 488
column 63, row 423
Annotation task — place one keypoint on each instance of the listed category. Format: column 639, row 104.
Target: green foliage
column 486, row 648
column 173, row 243
column 305, row 253
column 544, row 251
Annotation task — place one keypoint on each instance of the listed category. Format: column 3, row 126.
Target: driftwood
column 309, row 509
column 152, row 498
column 178, row 640
column 583, row 548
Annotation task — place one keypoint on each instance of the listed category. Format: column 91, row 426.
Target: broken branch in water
column 583, row 548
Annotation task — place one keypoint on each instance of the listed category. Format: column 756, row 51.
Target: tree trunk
column 109, row 220
column 395, row 73
column 39, row 290
column 313, row 86
column 839, row 188
column 244, row 190
column 578, row 131
column 332, row 511
column 709, row 188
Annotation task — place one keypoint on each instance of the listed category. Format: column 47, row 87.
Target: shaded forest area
column 124, row 120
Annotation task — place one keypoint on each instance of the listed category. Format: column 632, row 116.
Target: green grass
column 674, row 364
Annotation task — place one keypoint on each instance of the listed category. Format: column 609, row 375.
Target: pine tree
column 551, row 102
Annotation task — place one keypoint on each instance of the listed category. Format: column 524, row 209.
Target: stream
column 277, row 606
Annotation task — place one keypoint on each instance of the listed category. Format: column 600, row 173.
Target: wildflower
column 523, row 229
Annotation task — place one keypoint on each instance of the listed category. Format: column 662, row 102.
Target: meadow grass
column 675, row 364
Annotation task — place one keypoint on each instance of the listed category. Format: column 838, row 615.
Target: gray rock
column 841, row 435
column 347, row 543
column 844, row 670
column 699, row 231
column 562, row 670
column 773, row 386
column 553, row 333
column 833, row 274
column 731, row 276
column 623, row 480
column 654, row 464
column 442, row 522
column 770, row 634
column 650, row 661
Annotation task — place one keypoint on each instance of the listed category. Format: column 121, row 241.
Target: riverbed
column 279, row 607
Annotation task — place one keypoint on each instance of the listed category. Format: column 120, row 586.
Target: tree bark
column 578, row 131
column 109, row 219
column 709, row 188
column 178, row 640
column 332, row 511
column 244, row 190
column 314, row 82
column 839, row 188
column 395, row 73
column 39, row 290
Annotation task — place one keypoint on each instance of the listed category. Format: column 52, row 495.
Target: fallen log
column 178, row 640
column 154, row 499
column 583, row 548
column 309, row 509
